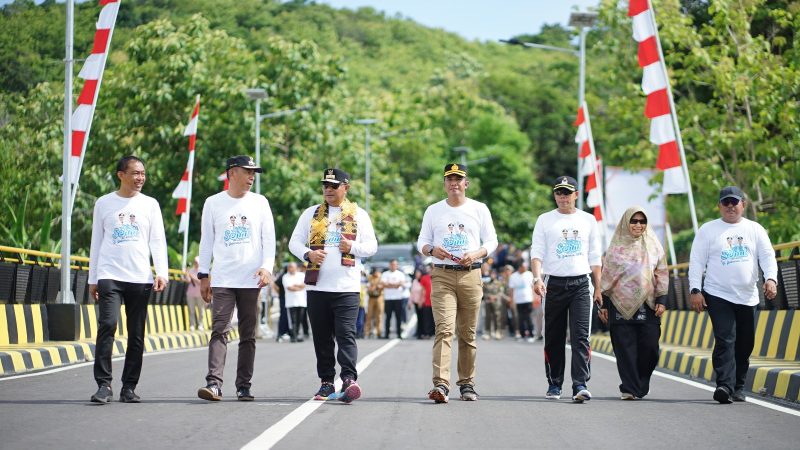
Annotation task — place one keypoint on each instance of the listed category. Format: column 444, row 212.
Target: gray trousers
column 246, row 301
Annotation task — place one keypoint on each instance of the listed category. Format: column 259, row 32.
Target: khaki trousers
column 374, row 314
column 456, row 301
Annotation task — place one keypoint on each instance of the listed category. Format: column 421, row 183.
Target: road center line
column 279, row 430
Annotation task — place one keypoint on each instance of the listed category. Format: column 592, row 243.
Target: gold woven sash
column 319, row 229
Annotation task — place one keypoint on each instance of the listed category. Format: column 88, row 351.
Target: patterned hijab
column 634, row 269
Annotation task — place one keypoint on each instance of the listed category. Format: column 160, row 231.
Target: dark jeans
column 296, row 315
column 112, row 295
column 524, row 311
column 333, row 316
column 246, row 302
column 734, row 336
column 567, row 302
column 636, row 349
column 393, row 307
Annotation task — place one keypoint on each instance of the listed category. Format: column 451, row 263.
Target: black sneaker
column 325, row 391
column 722, row 395
column 468, row 393
column 738, row 396
column 212, row 393
column 439, row 394
column 128, row 396
column 244, row 395
column 103, row 395
column 350, row 391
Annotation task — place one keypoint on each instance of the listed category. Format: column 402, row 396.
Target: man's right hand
column 317, row 256
column 539, row 288
column 93, row 292
column 697, row 302
column 205, row 289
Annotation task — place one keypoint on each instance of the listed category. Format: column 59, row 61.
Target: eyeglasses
column 326, row 185
column 639, row 221
column 729, row 201
column 563, row 192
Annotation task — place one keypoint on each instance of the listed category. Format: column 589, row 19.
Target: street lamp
column 463, row 152
column 259, row 94
column 366, row 123
column 582, row 21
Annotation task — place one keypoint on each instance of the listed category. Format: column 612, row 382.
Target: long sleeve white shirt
column 126, row 232
column 567, row 244
column 238, row 234
column 333, row 276
column 730, row 255
column 458, row 229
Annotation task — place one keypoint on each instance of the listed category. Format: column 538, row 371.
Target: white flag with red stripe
column 184, row 190
column 92, row 73
column 589, row 164
column 224, row 178
column 657, row 108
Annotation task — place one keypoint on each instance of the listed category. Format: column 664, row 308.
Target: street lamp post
column 580, row 20
column 463, row 152
column 366, row 123
column 259, row 94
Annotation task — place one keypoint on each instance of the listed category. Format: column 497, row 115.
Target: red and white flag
column 184, row 190
column 589, row 166
column 657, row 108
column 224, row 178
column 92, row 72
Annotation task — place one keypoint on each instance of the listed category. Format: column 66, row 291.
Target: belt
column 576, row 277
column 457, row 268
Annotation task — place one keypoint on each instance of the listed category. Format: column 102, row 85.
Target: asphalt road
column 52, row 410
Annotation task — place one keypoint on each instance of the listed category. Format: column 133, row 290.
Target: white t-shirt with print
column 458, row 230
column 238, row 234
column 126, row 231
column 333, row 276
column 294, row 299
column 567, row 244
column 730, row 254
column 522, row 284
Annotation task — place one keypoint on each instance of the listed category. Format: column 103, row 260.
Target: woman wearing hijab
column 634, row 286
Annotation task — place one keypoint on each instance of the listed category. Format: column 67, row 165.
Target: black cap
column 332, row 175
column 731, row 192
column 242, row 161
column 565, row 182
column 455, row 169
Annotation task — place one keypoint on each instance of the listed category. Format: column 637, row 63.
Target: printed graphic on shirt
column 125, row 229
column 239, row 231
column 334, row 236
column 456, row 239
column 734, row 250
column 570, row 244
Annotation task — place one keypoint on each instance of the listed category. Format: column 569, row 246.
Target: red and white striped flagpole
column 590, row 167
column 184, row 190
column 665, row 130
column 92, row 72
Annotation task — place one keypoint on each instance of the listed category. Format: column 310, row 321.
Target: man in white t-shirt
column 520, row 285
column 457, row 233
column 119, row 273
column 565, row 248
column 295, row 299
column 332, row 238
column 237, row 236
column 729, row 250
column 395, row 283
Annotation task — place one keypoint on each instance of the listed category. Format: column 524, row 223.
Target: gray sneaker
column 738, row 396
column 128, row 396
column 103, row 395
column 468, row 393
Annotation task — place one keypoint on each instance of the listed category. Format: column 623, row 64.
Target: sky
column 477, row 19
column 485, row 20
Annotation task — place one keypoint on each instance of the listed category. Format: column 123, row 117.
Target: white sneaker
column 530, row 339
column 583, row 395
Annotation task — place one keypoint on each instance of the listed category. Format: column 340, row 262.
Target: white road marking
column 279, row 430
column 704, row 387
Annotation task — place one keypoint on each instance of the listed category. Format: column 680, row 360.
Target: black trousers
column 296, row 316
column 734, row 336
column 636, row 350
column 393, row 307
column 567, row 302
column 333, row 316
column 525, row 321
column 113, row 294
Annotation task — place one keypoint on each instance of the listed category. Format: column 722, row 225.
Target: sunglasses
column 729, row 202
column 330, row 185
column 563, row 192
column 639, row 221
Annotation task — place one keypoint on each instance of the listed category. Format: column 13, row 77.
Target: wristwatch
column 430, row 251
column 305, row 257
column 536, row 279
column 202, row 275
column 694, row 291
